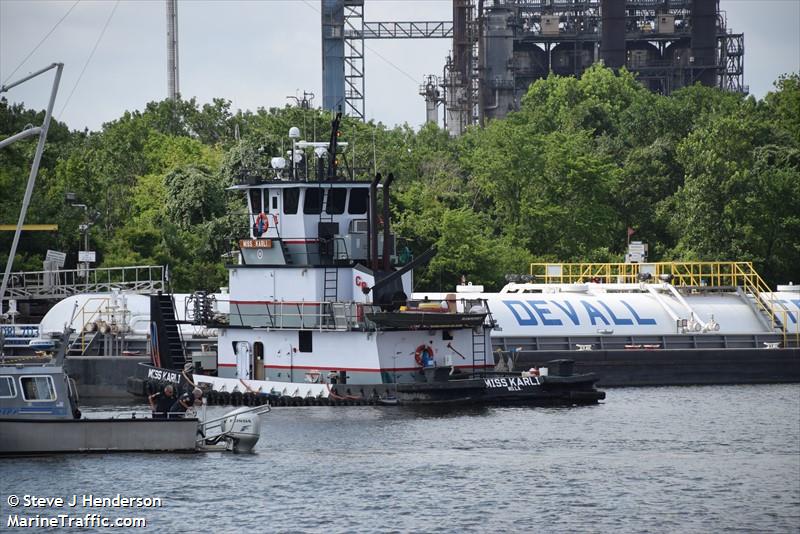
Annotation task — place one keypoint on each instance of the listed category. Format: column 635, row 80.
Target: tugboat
column 320, row 312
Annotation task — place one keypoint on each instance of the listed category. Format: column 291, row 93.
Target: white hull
column 269, row 387
column 376, row 357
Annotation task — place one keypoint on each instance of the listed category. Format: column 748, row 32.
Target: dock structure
column 58, row 284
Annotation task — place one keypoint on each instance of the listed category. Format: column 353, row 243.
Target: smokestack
column 612, row 36
column 386, row 228
column 704, row 41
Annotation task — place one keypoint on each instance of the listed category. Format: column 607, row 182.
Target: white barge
column 649, row 323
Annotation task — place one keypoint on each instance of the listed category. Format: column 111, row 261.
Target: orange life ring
column 420, row 350
column 263, row 218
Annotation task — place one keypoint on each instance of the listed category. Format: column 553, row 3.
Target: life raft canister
column 424, row 355
column 261, row 225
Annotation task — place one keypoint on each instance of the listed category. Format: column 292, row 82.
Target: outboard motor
column 236, row 431
column 243, row 428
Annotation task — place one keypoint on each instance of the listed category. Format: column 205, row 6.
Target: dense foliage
column 700, row 175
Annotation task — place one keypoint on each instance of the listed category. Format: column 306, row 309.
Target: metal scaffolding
column 407, row 30
column 343, row 33
column 354, row 57
column 500, row 47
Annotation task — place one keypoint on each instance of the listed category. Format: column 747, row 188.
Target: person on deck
column 161, row 403
column 197, row 402
column 178, row 409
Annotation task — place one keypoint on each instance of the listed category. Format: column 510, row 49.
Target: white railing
column 303, row 315
column 60, row 284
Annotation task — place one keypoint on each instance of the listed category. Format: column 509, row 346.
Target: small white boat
column 39, row 415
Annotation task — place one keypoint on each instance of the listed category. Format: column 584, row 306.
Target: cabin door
column 244, row 364
column 258, row 360
column 274, row 209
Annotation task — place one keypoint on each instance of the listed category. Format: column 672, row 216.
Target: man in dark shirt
column 178, row 409
column 161, row 403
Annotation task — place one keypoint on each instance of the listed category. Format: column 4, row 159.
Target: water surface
column 700, row 459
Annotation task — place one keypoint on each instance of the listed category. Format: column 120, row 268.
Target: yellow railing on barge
column 683, row 273
column 736, row 274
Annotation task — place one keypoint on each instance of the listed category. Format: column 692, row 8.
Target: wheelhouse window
column 255, row 201
column 359, row 198
column 312, row 204
column 291, row 198
column 336, row 201
column 7, row 388
column 38, row 388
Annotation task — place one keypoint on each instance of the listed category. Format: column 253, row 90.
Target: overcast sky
column 256, row 52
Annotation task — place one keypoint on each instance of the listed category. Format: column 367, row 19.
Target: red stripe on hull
column 356, row 369
column 285, row 302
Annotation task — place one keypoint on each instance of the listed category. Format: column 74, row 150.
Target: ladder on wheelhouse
column 330, row 283
column 478, row 349
column 479, row 353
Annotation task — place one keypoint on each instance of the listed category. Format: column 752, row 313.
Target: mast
column 37, row 158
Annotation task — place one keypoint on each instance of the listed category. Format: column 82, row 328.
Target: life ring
column 261, row 225
column 420, row 350
column 534, row 371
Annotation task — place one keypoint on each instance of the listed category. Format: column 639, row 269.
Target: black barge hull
column 680, row 367
column 438, row 389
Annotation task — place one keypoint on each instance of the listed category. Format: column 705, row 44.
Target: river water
column 671, row 459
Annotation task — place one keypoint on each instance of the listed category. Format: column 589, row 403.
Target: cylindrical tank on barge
column 648, row 334
column 588, row 309
column 627, row 311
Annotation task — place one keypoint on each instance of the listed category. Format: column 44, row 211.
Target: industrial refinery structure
column 500, row 47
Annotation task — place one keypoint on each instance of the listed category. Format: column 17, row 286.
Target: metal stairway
column 81, row 344
column 287, row 256
column 762, row 315
column 339, row 310
column 761, row 296
column 172, row 343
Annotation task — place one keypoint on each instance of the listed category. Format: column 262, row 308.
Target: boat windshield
column 38, row 388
